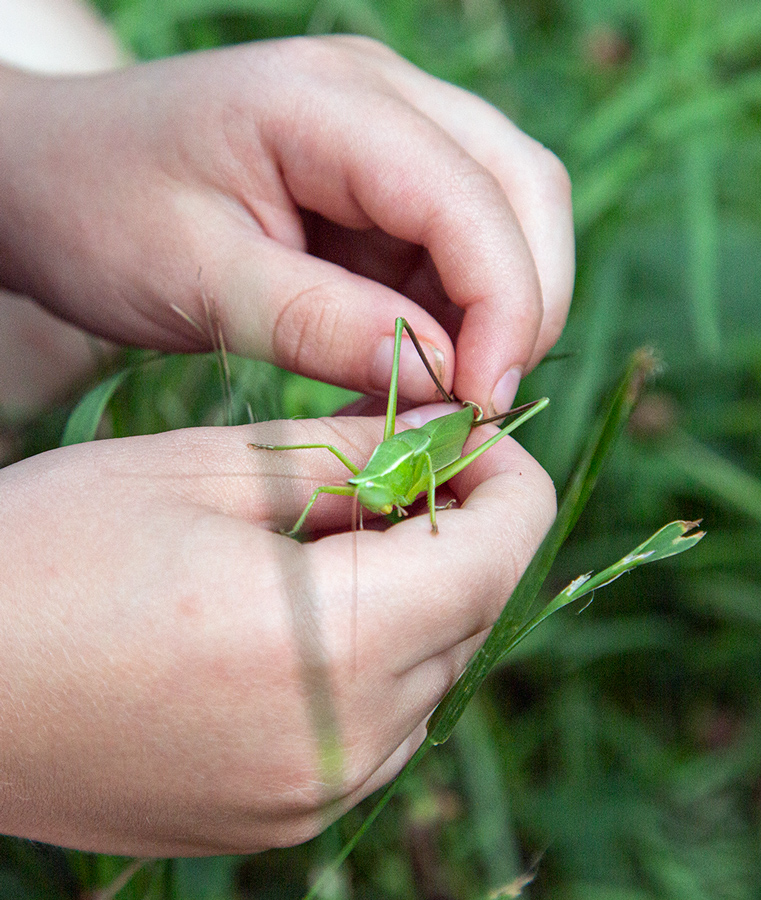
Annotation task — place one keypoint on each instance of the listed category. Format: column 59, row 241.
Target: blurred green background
column 618, row 755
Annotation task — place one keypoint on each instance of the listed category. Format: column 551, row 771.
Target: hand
column 321, row 187
column 167, row 653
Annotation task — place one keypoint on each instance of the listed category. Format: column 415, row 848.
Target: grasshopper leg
column 334, row 450
column 343, row 490
column 431, row 493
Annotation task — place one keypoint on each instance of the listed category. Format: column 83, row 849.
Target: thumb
column 317, row 319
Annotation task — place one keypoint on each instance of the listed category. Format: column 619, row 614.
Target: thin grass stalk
column 577, row 494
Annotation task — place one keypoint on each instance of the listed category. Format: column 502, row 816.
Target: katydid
column 415, row 461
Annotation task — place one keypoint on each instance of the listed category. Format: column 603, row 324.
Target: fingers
column 217, row 468
column 390, row 147
column 340, row 128
column 442, row 199
column 533, row 179
column 324, row 322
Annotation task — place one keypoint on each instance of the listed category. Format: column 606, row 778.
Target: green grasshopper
column 417, row 460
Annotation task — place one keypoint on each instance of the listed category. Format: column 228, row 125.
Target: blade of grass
column 676, row 537
column 83, row 422
column 714, row 474
column 111, row 890
column 579, row 379
column 577, row 493
column 702, row 230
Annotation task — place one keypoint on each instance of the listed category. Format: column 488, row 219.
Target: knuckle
column 470, row 179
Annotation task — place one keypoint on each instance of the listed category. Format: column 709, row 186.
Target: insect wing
column 448, row 435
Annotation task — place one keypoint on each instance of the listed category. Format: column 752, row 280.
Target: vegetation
column 613, row 755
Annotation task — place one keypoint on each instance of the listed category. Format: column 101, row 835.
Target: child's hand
column 167, row 653
column 314, row 189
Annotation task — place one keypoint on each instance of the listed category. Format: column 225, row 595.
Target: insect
column 415, row 461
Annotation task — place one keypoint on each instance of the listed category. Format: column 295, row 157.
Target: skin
column 42, row 358
column 152, row 619
column 158, row 704
column 147, row 175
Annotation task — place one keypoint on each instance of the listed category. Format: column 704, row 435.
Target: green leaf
column 676, row 537
column 86, row 415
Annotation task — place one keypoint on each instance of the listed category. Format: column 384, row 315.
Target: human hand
column 160, row 641
column 321, row 187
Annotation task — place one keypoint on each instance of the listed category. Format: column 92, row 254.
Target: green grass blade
column 676, row 537
column 443, row 720
column 325, row 876
column 701, row 218
column 579, row 379
column 115, row 884
column 714, row 474
column 86, row 415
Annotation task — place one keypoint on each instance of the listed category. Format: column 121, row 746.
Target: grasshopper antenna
column 450, row 398
column 516, row 410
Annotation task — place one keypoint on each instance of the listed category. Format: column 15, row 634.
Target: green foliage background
column 617, row 755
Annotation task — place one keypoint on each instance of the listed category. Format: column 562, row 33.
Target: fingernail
column 505, row 390
column 421, row 415
column 414, row 381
